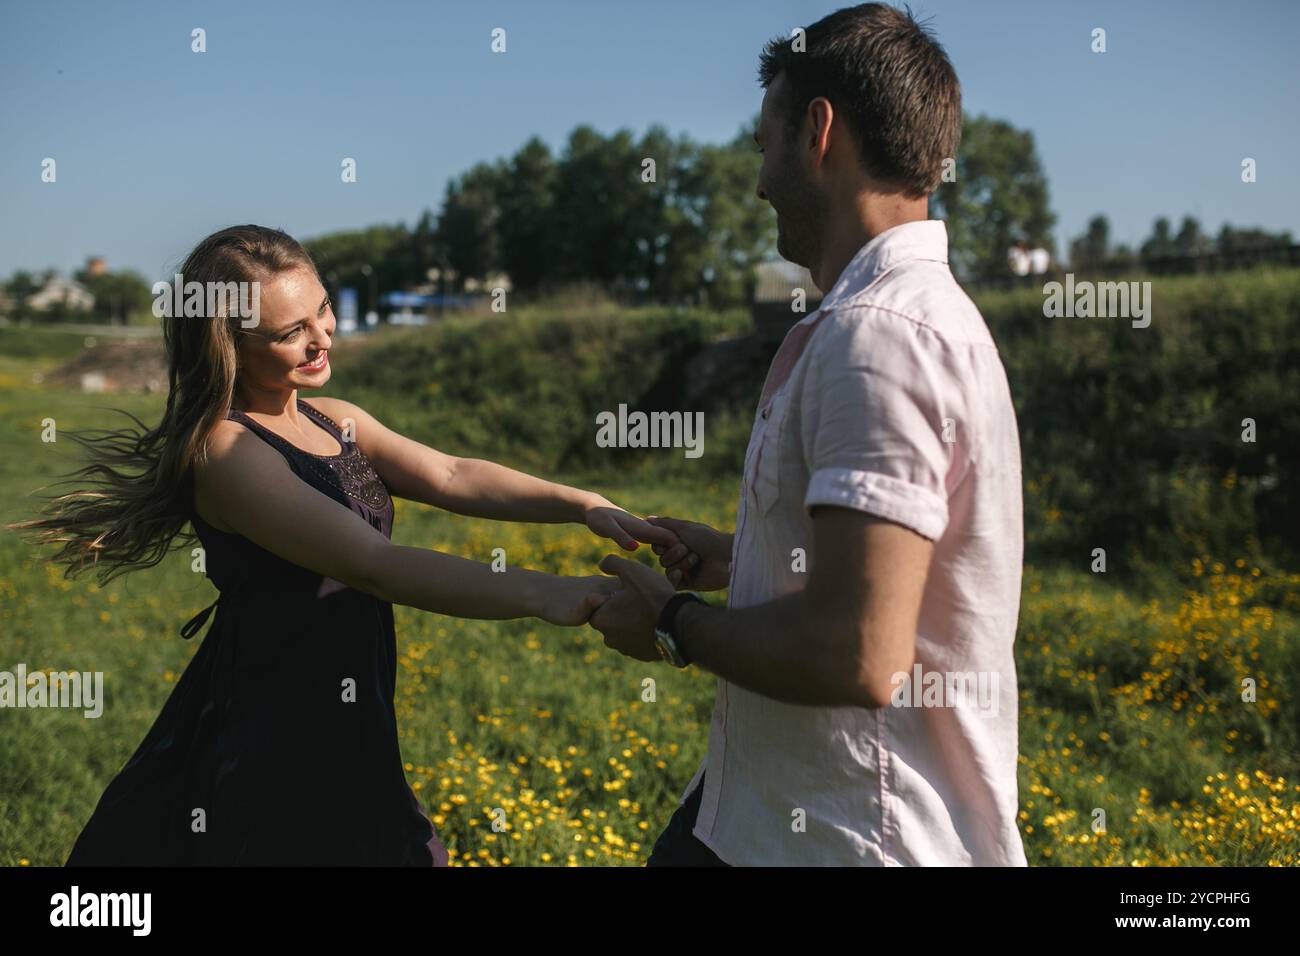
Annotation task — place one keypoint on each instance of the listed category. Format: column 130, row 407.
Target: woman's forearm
column 484, row 489
column 446, row 584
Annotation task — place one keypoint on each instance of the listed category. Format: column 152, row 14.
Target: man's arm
column 873, row 409
column 840, row 640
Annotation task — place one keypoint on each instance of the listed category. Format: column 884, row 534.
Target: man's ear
column 821, row 117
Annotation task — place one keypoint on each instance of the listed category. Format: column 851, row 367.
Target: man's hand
column 627, row 619
column 701, row 561
column 624, row 528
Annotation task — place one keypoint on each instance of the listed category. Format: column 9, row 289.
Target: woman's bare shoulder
column 231, row 446
column 336, row 408
column 224, row 437
column 218, row 456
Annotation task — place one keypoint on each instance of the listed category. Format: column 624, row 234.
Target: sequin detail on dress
column 354, row 475
column 350, row 472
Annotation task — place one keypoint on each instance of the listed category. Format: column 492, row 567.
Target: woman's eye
column 290, row 337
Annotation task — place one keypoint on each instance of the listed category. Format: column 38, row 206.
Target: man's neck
column 860, row 222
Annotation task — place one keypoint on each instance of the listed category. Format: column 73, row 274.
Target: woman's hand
column 570, row 602
column 701, row 561
column 625, row 529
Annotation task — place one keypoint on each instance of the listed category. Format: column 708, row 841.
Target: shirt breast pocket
column 766, row 477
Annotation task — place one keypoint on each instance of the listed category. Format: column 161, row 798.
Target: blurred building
column 1024, row 261
column 57, row 290
column 485, row 287
column 1018, row 260
column 778, row 303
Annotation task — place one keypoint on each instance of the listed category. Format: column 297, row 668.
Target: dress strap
column 195, row 624
column 261, row 431
column 325, row 422
column 315, row 415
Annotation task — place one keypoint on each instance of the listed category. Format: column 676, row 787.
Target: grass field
column 1130, row 704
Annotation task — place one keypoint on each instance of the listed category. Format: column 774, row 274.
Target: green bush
column 526, row 387
column 1131, row 437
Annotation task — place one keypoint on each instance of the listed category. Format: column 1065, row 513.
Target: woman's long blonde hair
column 137, row 493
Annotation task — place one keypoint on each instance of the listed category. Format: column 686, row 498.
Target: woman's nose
column 322, row 333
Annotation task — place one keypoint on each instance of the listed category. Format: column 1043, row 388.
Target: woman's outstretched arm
column 484, row 489
column 247, row 487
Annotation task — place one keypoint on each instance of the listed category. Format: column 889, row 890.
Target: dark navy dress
column 278, row 745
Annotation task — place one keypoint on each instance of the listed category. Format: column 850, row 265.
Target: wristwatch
column 666, row 638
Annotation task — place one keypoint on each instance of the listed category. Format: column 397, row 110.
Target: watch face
column 663, row 650
column 667, row 650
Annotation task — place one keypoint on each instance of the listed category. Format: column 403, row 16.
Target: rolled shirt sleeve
column 882, row 419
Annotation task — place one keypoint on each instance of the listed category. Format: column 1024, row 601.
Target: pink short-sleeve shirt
column 893, row 400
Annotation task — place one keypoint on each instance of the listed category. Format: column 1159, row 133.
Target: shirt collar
column 922, row 239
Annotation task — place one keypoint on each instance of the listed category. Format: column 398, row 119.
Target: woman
column 278, row 744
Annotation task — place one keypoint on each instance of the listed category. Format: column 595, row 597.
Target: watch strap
column 668, row 620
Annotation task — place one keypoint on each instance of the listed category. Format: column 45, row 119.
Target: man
column 866, row 703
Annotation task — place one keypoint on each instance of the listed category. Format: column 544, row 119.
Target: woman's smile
column 316, row 364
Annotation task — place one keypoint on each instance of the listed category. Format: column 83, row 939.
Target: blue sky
column 156, row 146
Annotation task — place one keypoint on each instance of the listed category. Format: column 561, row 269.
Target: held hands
column 624, row 528
column 625, row 608
column 569, row 602
column 627, row 619
column 701, row 558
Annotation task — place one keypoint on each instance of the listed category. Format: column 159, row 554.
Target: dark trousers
column 677, row 845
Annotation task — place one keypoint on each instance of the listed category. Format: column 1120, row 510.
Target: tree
column 118, row 295
column 344, row 255
column 416, row 253
column 1245, row 240
column 1190, row 241
column 666, row 264
column 1123, row 258
column 736, row 229
column 690, row 232
column 526, row 234
column 998, row 196
column 1092, row 249
column 1160, row 245
column 597, row 198
column 466, row 231
column 20, row 286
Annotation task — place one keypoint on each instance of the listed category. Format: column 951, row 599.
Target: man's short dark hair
column 889, row 77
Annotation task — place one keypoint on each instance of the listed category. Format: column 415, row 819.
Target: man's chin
column 788, row 254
